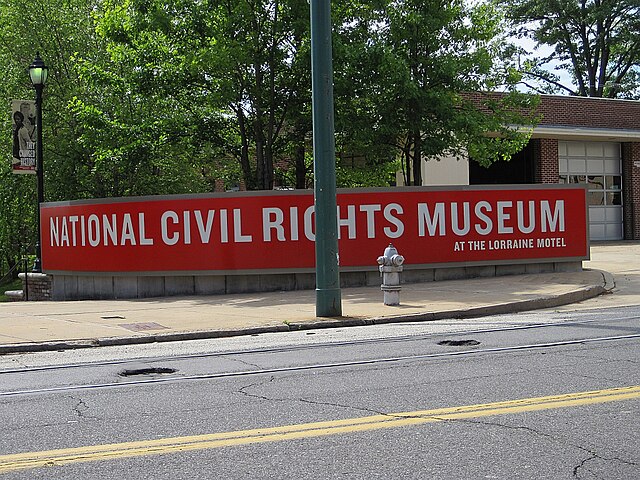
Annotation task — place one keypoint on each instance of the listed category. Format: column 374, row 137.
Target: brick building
column 593, row 141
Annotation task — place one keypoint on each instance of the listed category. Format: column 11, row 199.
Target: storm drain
column 146, row 371
column 459, row 343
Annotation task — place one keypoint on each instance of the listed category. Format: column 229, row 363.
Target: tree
column 56, row 30
column 596, row 41
column 417, row 60
column 234, row 59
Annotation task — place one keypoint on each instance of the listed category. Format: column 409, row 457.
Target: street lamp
column 38, row 72
column 328, row 295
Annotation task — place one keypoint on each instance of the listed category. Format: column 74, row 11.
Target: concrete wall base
column 93, row 287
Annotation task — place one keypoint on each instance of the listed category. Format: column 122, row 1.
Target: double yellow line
column 22, row 461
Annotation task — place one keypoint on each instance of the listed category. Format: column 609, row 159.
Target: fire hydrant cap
column 397, row 260
column 390, row 251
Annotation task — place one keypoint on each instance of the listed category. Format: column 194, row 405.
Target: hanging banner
column 274, row 231
column 23, row 116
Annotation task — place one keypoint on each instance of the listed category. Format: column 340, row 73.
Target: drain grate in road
column 146, row 371
column 459, row 343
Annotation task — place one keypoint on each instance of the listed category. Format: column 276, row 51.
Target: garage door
column 599, row 165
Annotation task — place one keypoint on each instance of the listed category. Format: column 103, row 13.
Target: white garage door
column 599, row 165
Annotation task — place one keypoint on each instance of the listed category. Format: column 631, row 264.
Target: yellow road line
column 28, row 460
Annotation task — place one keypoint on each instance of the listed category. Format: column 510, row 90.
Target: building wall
column 589, row 112
column 562, row 110
column 446, row 171
column 590, row 120
column 594, row 113
column 545, row 151
column 631, row 189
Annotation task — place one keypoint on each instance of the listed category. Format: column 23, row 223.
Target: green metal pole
column 37, row 266
column 328, row 298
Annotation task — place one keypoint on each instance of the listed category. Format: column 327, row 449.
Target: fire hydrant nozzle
column 390, row 268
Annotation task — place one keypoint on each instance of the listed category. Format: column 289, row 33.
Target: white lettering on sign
column 349, row 221
column 532, row 217
column 433, row 220
column 164, row 223
column 503, row 217
column 554, row 222
column 274, row 221
column 110, row 229
column 425, row 219
column 510, row 244
column 480, row 210
column 94, row 230
column 238, row 236
column 204, row 229
column 371, row 210
column 551, row 242
column 438, row 219
column 309, row 232
column 466, row 219
column 74, row 230
column 268, row 224
column 293, row 223
column 394, row 220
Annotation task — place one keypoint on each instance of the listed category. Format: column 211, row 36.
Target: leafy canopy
column 597, row 42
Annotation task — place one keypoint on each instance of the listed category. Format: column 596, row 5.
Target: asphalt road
column 543, row 395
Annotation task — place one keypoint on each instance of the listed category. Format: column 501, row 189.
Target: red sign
column 274, row 231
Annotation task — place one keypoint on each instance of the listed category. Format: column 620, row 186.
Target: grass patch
column 14, row 285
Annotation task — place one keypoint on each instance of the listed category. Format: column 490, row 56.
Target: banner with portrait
column 23, row 116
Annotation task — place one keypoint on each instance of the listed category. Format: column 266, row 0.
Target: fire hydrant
column 390, row 268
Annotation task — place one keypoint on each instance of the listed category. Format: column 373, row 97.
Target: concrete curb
column 573, row 296
column 608, row 279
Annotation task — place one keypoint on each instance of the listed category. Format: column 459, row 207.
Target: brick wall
column 37, row 286
column 589, row 112
column 556, row 110
column 545, row 151
column 631, row 189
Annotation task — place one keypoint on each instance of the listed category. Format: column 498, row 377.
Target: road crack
column 596, row 456
column 81, row 409
column 592, row 454
column 243, row 391
column 254, row 365
column 581, row 465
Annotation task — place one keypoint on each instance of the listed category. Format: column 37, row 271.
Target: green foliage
column 243, row 61
column 381, row 175
column 596, row 41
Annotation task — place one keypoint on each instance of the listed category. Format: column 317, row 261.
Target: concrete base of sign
column 85, row 287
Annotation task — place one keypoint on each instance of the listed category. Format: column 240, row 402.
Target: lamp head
column 38, row 72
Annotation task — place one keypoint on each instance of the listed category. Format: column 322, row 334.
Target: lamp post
column 38, row 73
column 328, row 295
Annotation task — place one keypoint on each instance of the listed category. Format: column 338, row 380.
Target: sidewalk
column 41, row 326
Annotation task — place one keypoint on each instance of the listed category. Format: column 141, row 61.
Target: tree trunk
column 268, row 167
column 407, row 162
column 417, row 157
column 244, row 151
column 262, row 171
column 11, row 262
column 301, row 168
